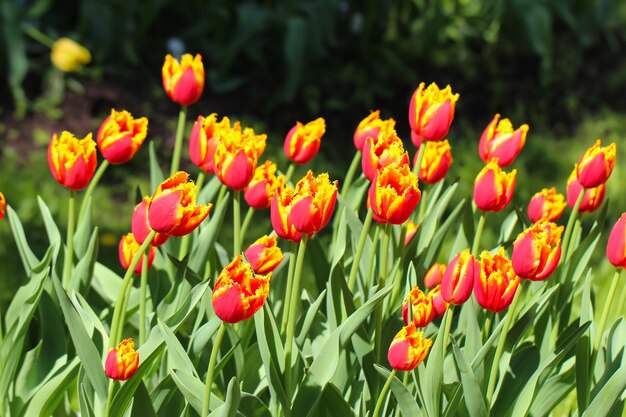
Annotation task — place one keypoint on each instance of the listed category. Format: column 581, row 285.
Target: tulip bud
column 408, row 349
column 373, row 127
column 537, row 250
column 236, row 157
column 596, row 165
column 122, row 361
column 183, row 82
column 439, row 304
column 547, row 204
column 592, row 199
column 499, row 140
column 493, row 188
column 435, row 163
column 280, row 214
column 263, row 186
column 313, row 203
column 434, row 275
column 120, row 136
column 205, row 134
column 238, row 293
column 411, row 230
column 497, row 283
column 458, row 280
column 422, row 312
column 616, row 247
column 387, row 150
column 393, row 195
column 127, row 249
column 303, row 141
column 69, row 56
column 264, row 255
column 431, row 112
column 72, row 161
column 3, row 206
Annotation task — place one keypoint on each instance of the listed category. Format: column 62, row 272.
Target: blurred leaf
column 156, row 174
column 26, row 254
column 54, row 236
column 583, row 353
column 295, row 51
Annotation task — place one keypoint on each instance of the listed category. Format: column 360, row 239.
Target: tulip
column 434, row 275
column 493, row 188
column 280, row 214
column 387, row 150
column 120, row 136
column 313, row 203
column 236, row 157
column 592, row 199
column 264, row 255
column 183, row 82
column 264, row 184
column 393, row 195
column 69, row 56
column 173, row 210
column 373, row 127
column 140, row 226
column 205, row 135
column 431, row 112
column 458, row 280
column 303, row 141
column 422, row 311
column 435, row 163
column 411, row 230
column 122, row 361
column 499, row 140
column 3, row 206
column 238, row 293
column 596, row 165
column 616, row 247
column 408, row 349
column 537, row 250
column 127, row 249
column 72, row 161
column 439, row 304
column 497, row 282
column 547, row 204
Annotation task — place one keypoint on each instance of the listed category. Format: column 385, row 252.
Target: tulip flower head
column 616, row 246
column 387, row 150
column 239, row 293
column 280, row 214
column 439, row 304
column 127, row 249
column 493, row 188
column 408, row 349
column 3, row 206
column 313, row 203
column 431, row 112
column 69, row 56
column 500, row 140
column 458, row 280
column 303, row 140
column 434, row 275
column 183, row 81
column 596, row 165
column 122, row 361
column 172, row 209
column 205, row 135
column 435, row 163
column 264, row 184
column 393, row 195
column 547, row 204
column 140, row 226
column 72, row 161
column 264, row 255
column 422, row 312
column 537, row 251
column 411, row 230
column 373, row 127
column 120, row 136
column 236, row 156
column 592, row 199
column 497, row 282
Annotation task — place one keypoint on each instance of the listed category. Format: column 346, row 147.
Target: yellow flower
column 69, row 56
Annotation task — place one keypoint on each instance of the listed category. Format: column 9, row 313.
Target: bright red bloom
column 431, row 112
column 596, row 165
column 127, row 249
column 122, row 362
column 393, row 195
column 497, row 283
column 183, row 82
column 458, row 280
column 434, row 275
column 373, row 127
column 493, row 188
column 592, row 198
column 280, row 214
column 537, row 250
column 385, row 151
column 313, row 203
column 140, row 226
column 439, row 304
column 422, row 308
column 616, row 246
column 263, row 185
column 239, row 293
column 120, row 136
column 205, row 135
column 411, row 230
column 303, row 140
column 264, row 255
column 3, row 206
column 435, row 163
column 408, row 349
column 72, row 161
column 236, row 156
column 547, row 204
column 499, row 140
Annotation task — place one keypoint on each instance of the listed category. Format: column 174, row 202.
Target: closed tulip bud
column 458, row 280
column 411, row 230
column 239, row 293
column 140, row 226
column 120, row 136
column 69, row 56
column 497, row 283
column 313, row 203
column 3, row 206
column 592, row 199
column 236, row 157
column 439, row 304
column 547, row 204
column 493, row 188
column 434, row 275
column 435, row 163
column 263, row 186
column 387, row 150
column 72, row 161
column 173, row 209
column 422, row 312
column 499, row 140
column 596, row 165
column 393, row 195
column 205, row 135
column 264, row 255
column 373, row 127
column 408, row 349
column 280, row 214
column 127, row 249
column 303, row 140
column 183, row 81
column 431, row 112
column 616, row 246
column 537, row 250
column 122, row 362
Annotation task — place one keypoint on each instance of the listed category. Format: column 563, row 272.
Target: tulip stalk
column 479, row 232
column 289, row 173
column 184, row 243
column 91, row 187
column 359, row 250
column 420, row 156
column 447, row 326
column 382, row 274
column 350, row 174
column 178, row 144
column 605, row 312
column 370, row 265
column 383, row 393
column 292, row 268
column 246, row 221
column 71, row 225
column 206, row 403
column 570, row 225
column 143, row 297
column 237, row 223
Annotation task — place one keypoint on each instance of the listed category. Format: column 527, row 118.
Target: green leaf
column 311, row 313
column 177, row 357
column 231, row 402
column 54, row 236
column 406, row 401
column 46, row 399
column 142, row 403
column 429, row 226
column 583, row 352
column 206, row 237
column 191, row 387
column 608, row 395
column 333, row 404
column 26, row 254
column 507, row 228
column 156, row 175
column 474, row 398
column 431, row 377
column 83, row 271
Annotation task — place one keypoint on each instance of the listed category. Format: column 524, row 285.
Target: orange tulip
column 616, row 246
column 72, row 161
column 547, row 204
column 387, row 150
column 458, row 280
column 236, row 156
column 127, row 249
column 422, row 312
column 393, row 195
column 499, row 140
column 431, row 112
column 373, row 127
column 313, row 203
column 434, row 275
column 264, row 184
column 408, row 349
column 596, row 165
column 493, row 188
column 122, row 361
column 3, row 206
column 264, row 255
column 183, row 82
column 280, row 214
column 537, row 250
column 120, row 136
column 205, row 135
column 303, row 141
column 497, row 283
column 238, row 293
column 592, row 199
column 435, row 163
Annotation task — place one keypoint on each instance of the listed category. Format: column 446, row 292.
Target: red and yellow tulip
column 393, row 195
column 303, row 140
column 436, row 161
column 127, row 249
column 596, row 165
column 408, row 349
column 183, row 81
column 500, row 140
column 422, row 311
column 411, row 230
column 434, row 275
column 387, row 150
column 122, row 362
column 264, row 184
column 497, row 282
column 3, row 206
column 547, row 204
column 264, row 255
column 537, row 250
column 431, row 112
column 72, row 161
column 205, row 135
column 439, row 304
column 140, row 226
column 121, row 135
column 592, row 199
column 458, row 280
column 313, row 203
column 373, row 127
column 616, row 246
column 236, row 156
column 280, row 214
column 493, row 188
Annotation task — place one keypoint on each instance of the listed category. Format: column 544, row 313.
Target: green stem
column 418, row 163
column 479, row 233
column 237, row 223
column 107, row 408
column 91, row 187
column 422, row 210
column 178, row 144
column 446, row 330
column 292, row 268
column 38, row 35
column 290, row 170
column 185, row 240
column 69, row 254
column 383, row 394
column 350, row 174
column 606, row 309
column 570, row 225
column 370, row 265
column 143, row 298
column 211, row 370
column 382, row 277
column 221, row 195
column 359, row 250
column 246, row 222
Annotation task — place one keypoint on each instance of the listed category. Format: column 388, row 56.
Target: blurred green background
column 558, row 65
